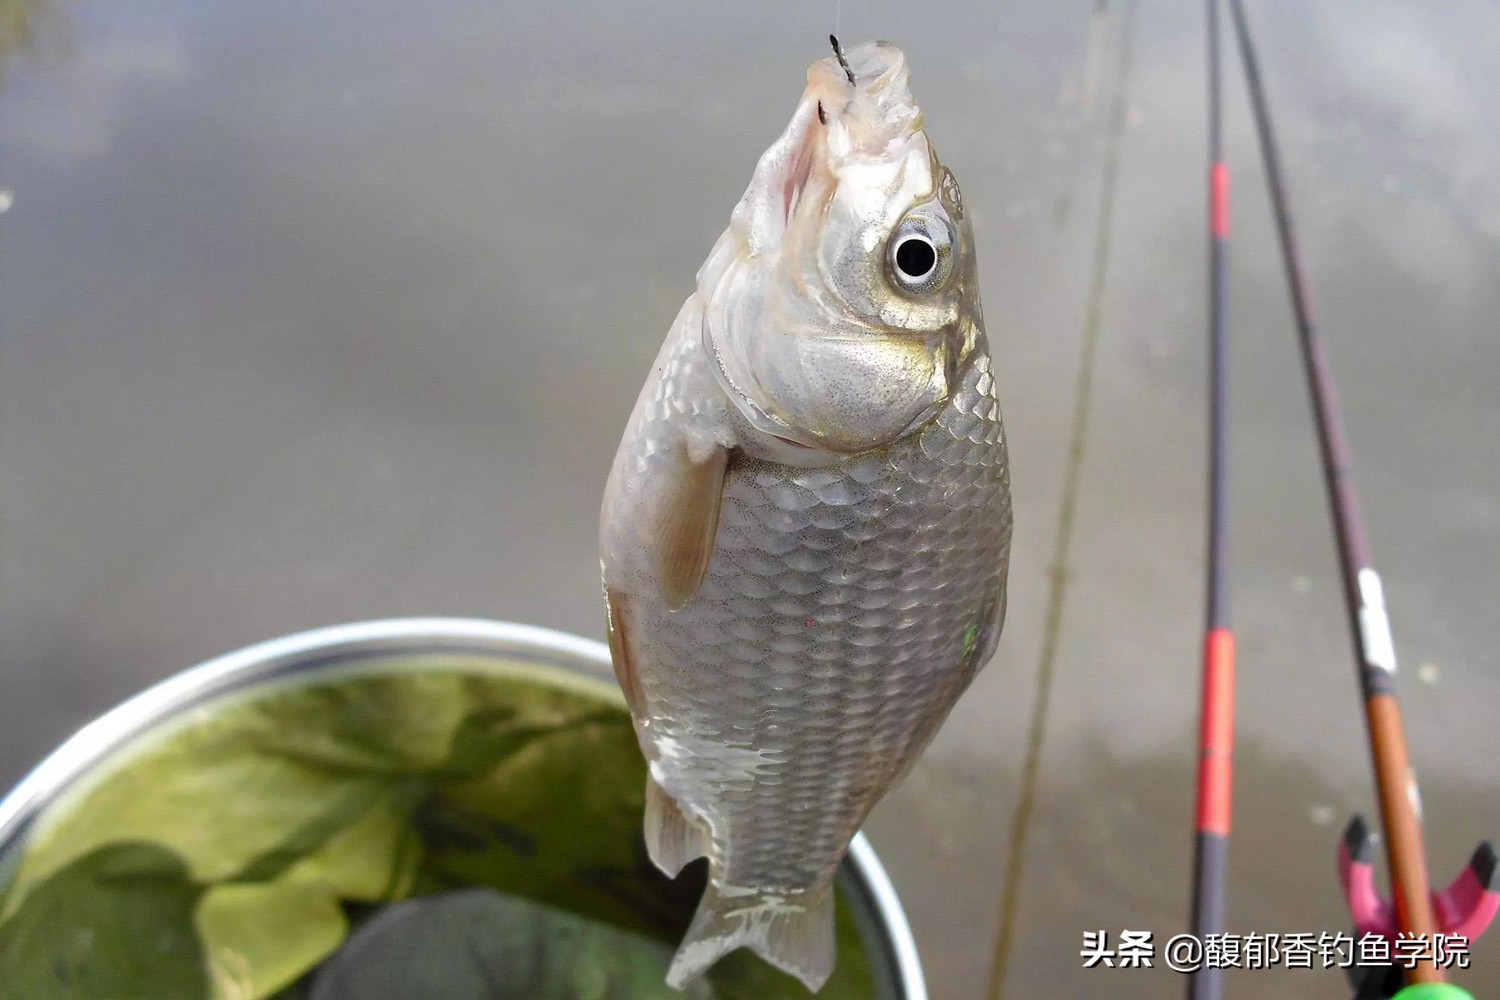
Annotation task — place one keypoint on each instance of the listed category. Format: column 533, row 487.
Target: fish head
column 841, row 304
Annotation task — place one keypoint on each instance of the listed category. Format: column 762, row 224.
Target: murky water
column 320, row 314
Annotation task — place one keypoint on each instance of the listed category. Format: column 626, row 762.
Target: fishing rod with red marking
column 1216, row 736
column 1471, row 902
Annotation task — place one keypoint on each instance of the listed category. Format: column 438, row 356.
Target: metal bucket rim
column 137, row 715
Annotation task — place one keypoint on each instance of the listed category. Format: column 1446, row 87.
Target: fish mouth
column 864, row 96
column 857, row 106
column 837, row 123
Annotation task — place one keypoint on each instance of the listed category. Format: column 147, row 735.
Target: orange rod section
column 1216, row 740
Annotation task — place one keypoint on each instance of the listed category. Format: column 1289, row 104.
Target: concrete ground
column 314, row 315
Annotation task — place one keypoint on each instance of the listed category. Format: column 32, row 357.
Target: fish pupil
column 916, row 257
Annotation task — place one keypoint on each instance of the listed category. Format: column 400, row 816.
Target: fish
column 805, row 533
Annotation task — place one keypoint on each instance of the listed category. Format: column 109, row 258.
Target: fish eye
column 920, row 256
column 915, row 257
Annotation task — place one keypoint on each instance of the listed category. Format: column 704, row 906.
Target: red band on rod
column 1216, row 741
column 1219, row 200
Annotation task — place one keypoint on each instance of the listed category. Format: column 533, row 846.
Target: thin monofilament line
column 1063, row 540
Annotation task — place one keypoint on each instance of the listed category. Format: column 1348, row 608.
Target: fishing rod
column 1216, row 712
column 1470, row 903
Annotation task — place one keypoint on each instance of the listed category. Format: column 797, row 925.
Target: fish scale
column 805, row 534
column 829, row 558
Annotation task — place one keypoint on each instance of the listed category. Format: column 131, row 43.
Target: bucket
column 283, row 821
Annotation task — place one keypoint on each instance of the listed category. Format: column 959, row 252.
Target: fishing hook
column 838, row 50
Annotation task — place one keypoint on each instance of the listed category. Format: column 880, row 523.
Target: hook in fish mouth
column 838, row 51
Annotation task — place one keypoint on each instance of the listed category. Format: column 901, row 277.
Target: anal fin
column 672, row 839
column 792, row 931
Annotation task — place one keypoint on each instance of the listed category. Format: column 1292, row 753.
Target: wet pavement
column 313, row 316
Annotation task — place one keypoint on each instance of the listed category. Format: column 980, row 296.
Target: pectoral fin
column 688, row 519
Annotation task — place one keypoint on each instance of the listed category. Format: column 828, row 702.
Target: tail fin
column 792, row 931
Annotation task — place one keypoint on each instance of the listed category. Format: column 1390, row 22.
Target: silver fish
column 806, row 531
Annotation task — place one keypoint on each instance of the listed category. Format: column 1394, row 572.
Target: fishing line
column 1063, row 540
